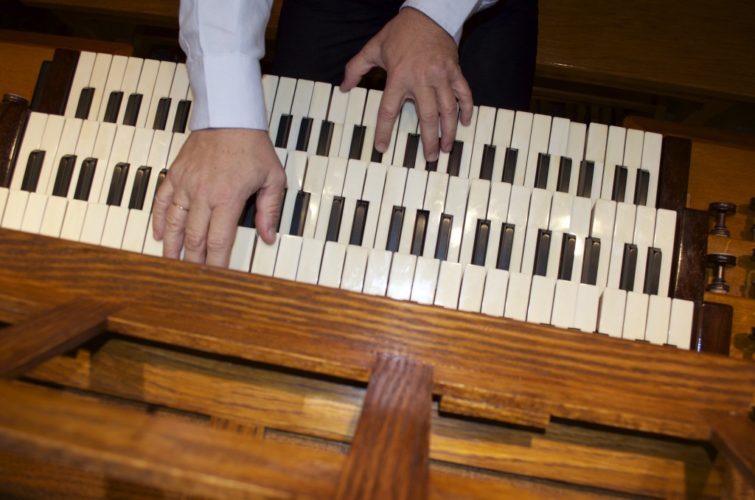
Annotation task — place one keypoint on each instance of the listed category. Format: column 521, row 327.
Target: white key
column 66, row 146
column 369, row 120
column 49, row 145
column 393, row 196
column 665, row 228
column 466, row 136
column 296, row 167
column 435, row 201
column 580, row 227
column 287, row 261
column 52, row 221
column 84, row 148
column 122, row 141
column 407, row 124
column 353, row 116
column 299, row 110
column 612, row 306
column 4, row 192
column 494, row 297
column 94, row 223
column 425, row 280
column 680, row 323
column 309, row 261
column 564, row 303
column 151, row 245
column 352, row 191
column 73, row 223
column 137, row 157
column 541, row 125
column 35, row 210
column 539, row 214
column 80, row 81
column 378, row 270
column 472, row 288
column 622, row 234
column 644, row 229
column 112, row 84
column 15, row 207
column 98, row 81
column 401, row 277
column 614, row 158
column 540, row 307
column 114, row 228
column 373, row 194
column 559, row 223
column 595, row 151
column 456, row 203
column 243, row 249
column 586, row 310
column 263, row 261
column 103, row 145
column 161, row 90
column 178, row 90
column 136, row 231
column 284, row 98
column 604, row 215
column 477, row 208
column 129, row 84
column 157, row 160
column 632, row 161
column 333, row 258
column 146, row 85
column 498, row 209
column 314, row 182
column 449, row 285
column 354, row 268
column 635, row 316
column 334, row 180
column 520, row 140
column 416, row 184
column 575, row 151
column 502, row 136
column 35, row 128
column 518, row 216
column 339, row 102
column 269, row 88
column 659, row 315
column 483, row 136
column 517, row 298
column 651, row 162
column 318, row 112
column 557, row 144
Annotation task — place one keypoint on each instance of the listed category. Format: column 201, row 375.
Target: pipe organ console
column 530, row 220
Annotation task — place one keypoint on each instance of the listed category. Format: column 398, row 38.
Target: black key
column 249, row 213
column 113, row 106
column 480, row 250
column 41, row 85
column 584, row 182
column 641, row 188
column 305, row 130
column 357, row 142
column 394, row 230
column 410, row 154
column 505, row 247
column 132, row 109
column 444, row 236
column 542, row 250
column 334, row 221
column 541, row 172
column 117, row 184
column 653, row 271
column 454, row 158
column 566, row 262
column 431, row 166
column 377, row 156
column 284, row 128
column 619, row 183
column 488, row 158
column 182, row 116
column 161, row 115
column 360, row 219
column 564, row 175
column 64, row 176
column 86, row 176
column 85, row 103
column 139, row 190
column 628, row 267
column 326, row 136
column 420, row 232
column 300, row 213
column 590, row 261
column 509, row 165
column 33, row 169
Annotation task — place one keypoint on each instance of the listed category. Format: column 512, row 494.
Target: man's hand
column 199, row 203
column 422, row 63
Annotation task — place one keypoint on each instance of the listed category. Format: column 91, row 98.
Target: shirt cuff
column 448, row 14
column 227, row 92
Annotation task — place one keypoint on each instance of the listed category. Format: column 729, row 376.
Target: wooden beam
column 389, row 455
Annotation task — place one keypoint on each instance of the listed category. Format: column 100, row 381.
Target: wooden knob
column 720, row 261
column 720, row 209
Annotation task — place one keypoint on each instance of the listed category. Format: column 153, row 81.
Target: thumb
column 269, row 203
column 359, row 65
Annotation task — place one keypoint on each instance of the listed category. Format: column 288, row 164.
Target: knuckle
column 218, row 243
column 194, row 241
column 386, row 114
column 173, row 221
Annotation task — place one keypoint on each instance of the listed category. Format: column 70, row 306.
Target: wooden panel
column 743, row 320
column 734, row 436
column 389, row 456
column 591, row 379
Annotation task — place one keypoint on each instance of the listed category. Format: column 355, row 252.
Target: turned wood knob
column 720, row 209
column 720, row 261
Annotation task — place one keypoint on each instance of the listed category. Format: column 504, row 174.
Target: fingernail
column 381, row 147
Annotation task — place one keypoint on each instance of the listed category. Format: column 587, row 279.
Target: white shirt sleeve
column 224, row 42
column 449, row 14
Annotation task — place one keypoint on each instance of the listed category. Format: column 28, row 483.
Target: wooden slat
column 576, row 376
column 54, row 332
column 389, row 455
column 734, row 436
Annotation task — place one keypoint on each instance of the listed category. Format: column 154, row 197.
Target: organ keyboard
column 529, row 217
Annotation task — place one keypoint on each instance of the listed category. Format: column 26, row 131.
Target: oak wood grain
column 389, row 456
column 592, row 378
column 57, row 331
column 734, row 436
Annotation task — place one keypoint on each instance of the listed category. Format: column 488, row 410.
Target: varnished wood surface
column 55, row 332
column 743, row 319
column 254, row 396
column 572, row 375
column 734, row 436
column 389, row 456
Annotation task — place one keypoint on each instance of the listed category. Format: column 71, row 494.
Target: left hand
column 422, row 63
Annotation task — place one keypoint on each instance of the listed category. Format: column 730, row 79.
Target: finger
column 358, row 66
column 269, row 203
column 427, row 112
column 449, row 117
column 222, row 233
column 195, row 234
column 390, row 105
column 175, row 223
column 160, row 208
column 464, row 95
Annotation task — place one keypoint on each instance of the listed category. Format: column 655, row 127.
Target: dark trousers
column 316, row 38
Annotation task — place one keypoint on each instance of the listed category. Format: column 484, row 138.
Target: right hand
column 215, row 173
